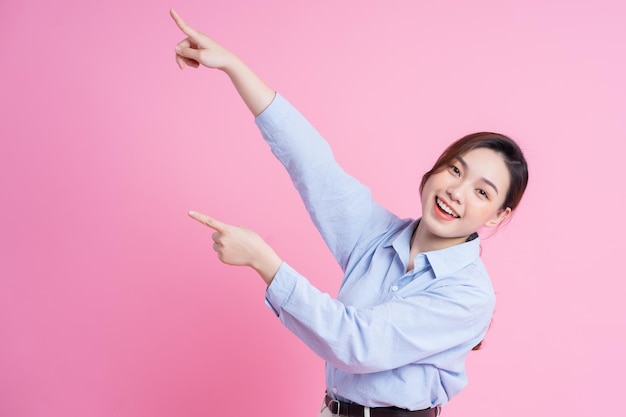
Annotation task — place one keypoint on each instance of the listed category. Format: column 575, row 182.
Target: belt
column 339, row 408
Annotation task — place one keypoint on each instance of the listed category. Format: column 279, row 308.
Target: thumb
column 209, row 221
column 188, row 52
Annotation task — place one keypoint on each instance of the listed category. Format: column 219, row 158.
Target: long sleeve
column 409, row 328
column 341, row 208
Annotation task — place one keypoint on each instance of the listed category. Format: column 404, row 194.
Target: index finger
column 187, row 30
column 208, row 221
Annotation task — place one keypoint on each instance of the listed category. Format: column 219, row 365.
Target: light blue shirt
column 391, row 338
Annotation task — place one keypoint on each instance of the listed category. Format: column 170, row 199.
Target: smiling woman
column 481, row 179
column 415, row 297
column 504, row 146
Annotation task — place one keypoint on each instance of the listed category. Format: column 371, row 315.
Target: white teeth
column 445, row 208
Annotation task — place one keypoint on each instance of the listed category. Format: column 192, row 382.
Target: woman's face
column 466, row 195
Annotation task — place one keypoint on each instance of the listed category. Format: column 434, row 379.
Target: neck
column 425, row 241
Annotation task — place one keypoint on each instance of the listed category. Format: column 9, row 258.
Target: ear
column 499, row 217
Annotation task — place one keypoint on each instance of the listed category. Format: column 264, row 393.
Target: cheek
column 487, row 213
column 435, row 180
column 479, row 209
column 428, row 188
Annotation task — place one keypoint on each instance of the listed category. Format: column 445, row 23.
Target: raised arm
column 341, row 208
column 198, row 49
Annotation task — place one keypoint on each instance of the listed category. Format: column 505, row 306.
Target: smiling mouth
column 445, row 208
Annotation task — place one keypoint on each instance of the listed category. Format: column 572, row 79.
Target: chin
column 451, row 230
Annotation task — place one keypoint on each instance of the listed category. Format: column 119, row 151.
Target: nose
column 455, row 193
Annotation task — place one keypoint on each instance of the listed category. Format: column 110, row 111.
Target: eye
column 482, row 193
column 454, row 170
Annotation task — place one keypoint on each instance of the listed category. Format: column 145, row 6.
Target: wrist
column 255, row 93
column 232, row 66
column 267, row 266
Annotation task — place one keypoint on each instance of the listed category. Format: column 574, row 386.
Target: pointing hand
column 236, row 245
column 197, row 48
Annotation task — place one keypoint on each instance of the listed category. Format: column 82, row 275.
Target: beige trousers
column 325, row 412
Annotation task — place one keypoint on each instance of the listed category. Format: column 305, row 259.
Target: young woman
column 415, row 297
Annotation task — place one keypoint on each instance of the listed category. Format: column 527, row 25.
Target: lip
column 441, row 214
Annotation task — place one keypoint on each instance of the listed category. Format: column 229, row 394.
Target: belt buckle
column 335, row 407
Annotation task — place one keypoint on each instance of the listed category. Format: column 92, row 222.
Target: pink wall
column 111, row 301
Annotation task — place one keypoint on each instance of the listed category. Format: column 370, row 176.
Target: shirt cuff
column 268, row 119
column 281, row 288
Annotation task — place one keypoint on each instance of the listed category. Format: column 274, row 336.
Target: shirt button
column 394, row 288
column 334, row 390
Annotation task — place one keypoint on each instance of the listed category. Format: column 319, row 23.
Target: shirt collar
column 443, row 261
column 447, row 261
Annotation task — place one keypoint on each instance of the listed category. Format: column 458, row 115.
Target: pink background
column 112, row 302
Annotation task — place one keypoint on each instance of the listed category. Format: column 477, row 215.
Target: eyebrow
column 491, row 184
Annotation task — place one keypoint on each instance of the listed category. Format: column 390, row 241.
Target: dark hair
column 503, row 145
